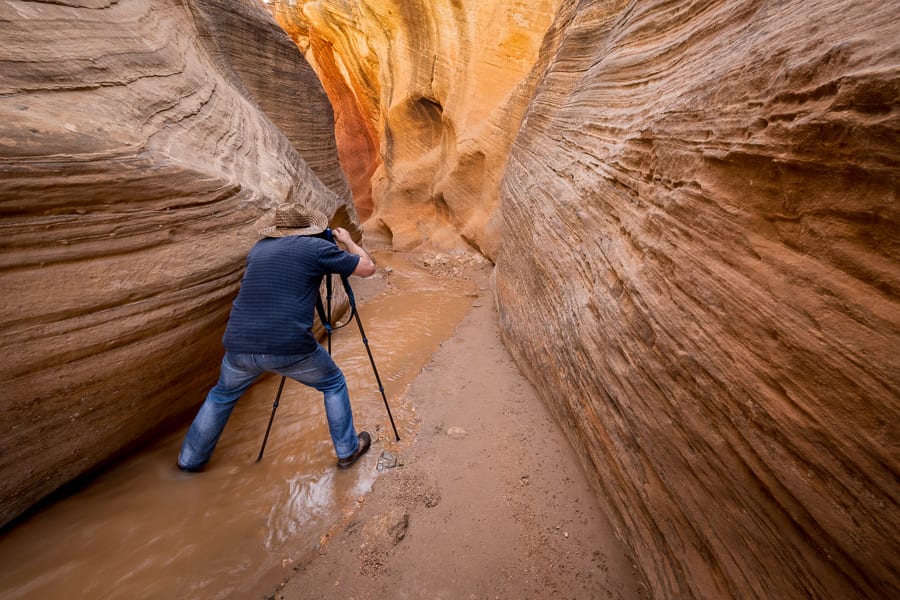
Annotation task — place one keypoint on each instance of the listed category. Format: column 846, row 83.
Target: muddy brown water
column 143, row 529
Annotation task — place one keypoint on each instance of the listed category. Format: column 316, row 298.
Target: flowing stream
column 143, row 529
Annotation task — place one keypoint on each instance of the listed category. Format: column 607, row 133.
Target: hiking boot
column 365, row 440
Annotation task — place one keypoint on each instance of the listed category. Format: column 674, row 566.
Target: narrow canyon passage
column 690, row 209
column 142, row 529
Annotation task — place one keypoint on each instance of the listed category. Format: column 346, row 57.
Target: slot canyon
column 690, row 208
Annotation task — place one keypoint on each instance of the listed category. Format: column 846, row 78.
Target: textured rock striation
column 428, row 97
column 142, row 142
column 699, row 271
column 698, row 209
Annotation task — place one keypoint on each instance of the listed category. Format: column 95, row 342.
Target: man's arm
column 366, row 266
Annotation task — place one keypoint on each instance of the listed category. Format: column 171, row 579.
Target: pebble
column 456, row 433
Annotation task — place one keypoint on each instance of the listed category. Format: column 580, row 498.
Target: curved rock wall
column 700, row 272
column 428, row 97
column 135, row 163
column 256, row 57
column 699, row 218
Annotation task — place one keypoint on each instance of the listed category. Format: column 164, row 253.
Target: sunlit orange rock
column 140, row 147
column 700, row 271
column 428, row 97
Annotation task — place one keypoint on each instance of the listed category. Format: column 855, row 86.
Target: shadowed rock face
column 285, row 88
column 428, row 97
column 699, row 270
column 139, row 150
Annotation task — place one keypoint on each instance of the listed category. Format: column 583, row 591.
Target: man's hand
column 366, row 266
column 343, row 236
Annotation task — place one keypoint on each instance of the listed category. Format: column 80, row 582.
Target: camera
column 326, row 235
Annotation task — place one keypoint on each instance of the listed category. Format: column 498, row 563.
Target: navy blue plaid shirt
column 273, row 312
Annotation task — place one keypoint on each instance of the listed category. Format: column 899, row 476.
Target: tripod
column 325, row 318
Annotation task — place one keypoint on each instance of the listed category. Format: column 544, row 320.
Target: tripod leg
column 271, row 418
column 377, row 378
column 328, row 313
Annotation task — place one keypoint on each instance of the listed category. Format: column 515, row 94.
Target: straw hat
column 292, row 219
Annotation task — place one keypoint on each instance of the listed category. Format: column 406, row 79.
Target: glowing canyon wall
column 142, row 142
column 428, row 97
column 699, row 271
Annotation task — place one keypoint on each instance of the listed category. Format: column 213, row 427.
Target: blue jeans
column 240, row 370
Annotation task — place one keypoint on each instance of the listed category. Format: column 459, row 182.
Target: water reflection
column 144, row 529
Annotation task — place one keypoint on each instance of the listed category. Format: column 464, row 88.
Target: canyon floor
column 488, row 501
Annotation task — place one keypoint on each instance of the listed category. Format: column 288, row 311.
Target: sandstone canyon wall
column 428, row 97
column 140, row 149
column 699, row 271
column 699, row 218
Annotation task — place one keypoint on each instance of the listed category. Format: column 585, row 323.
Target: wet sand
column 487, row 502
column 143, row 529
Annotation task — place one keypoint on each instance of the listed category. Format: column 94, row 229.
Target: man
column 270, row 330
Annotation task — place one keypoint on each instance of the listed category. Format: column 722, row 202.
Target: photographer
column 270, row 330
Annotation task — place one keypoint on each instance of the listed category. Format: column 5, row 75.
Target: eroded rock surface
column 139, row 150
column 699, row 270
column 428, row 97
column 699, row 265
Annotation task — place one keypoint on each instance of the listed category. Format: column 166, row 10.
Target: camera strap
column 320, row 307
column 322, row 317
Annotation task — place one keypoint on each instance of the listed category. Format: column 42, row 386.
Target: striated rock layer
column 700, row 269
column 139, row 150
column 428, row 97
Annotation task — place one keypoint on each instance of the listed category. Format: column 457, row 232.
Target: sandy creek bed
column 143, row 529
